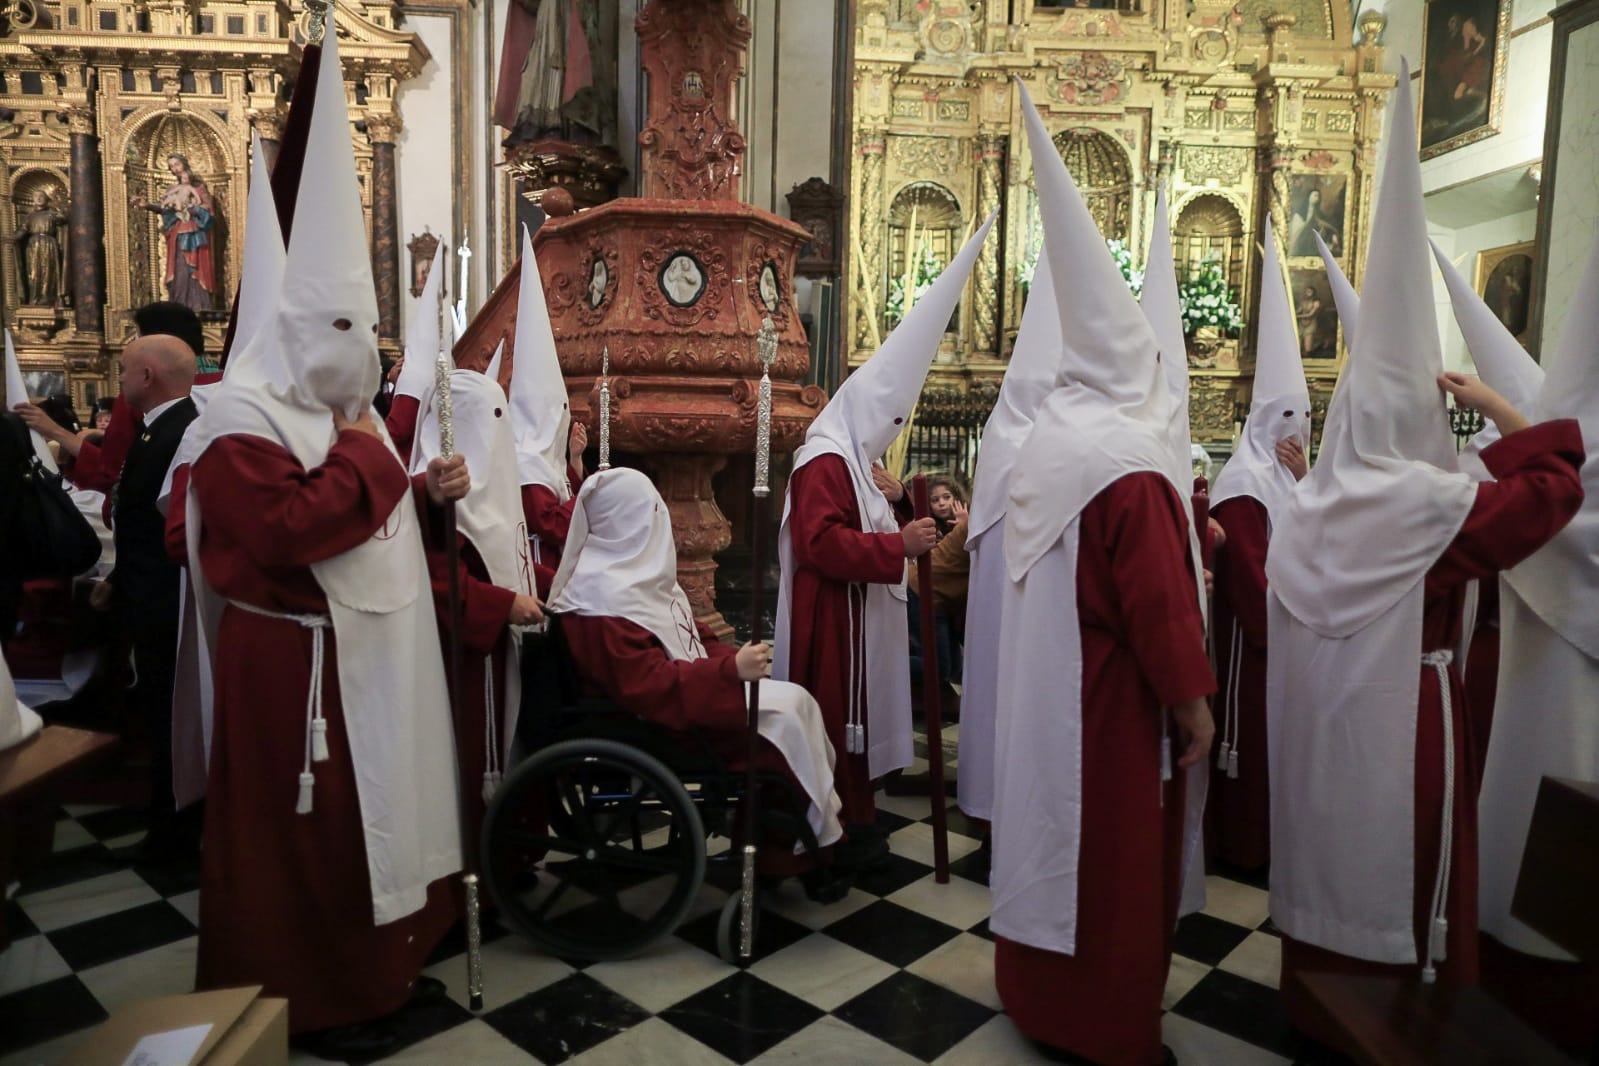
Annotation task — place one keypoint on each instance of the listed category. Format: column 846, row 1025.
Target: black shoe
column 427, row 988
column 826, row 885
column 159, row 848
column 357, row 1042
column 862, row 850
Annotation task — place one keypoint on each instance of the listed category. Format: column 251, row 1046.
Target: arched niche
column 1210, row 227
column 150, row 150
column 923, row 214
column 1104, row 175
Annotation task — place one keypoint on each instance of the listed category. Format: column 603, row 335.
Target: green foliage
column 1207, row 301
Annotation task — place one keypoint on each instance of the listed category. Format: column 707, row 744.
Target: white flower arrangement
column 1207, row 301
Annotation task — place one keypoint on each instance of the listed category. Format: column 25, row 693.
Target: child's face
column 942, row 502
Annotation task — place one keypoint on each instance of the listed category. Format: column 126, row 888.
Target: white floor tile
column 69, row 834
column 473, row 1042
column 127, row 840
column 916, row 842
column 188, row 904
column 1234, row 902
column 790, row 902
column 512, row 968
column 964, row 965
column 1259, row 958
column 95, row 897
column 164, row 971
column 960, row 903
column 653, row 1043
column 668, row 972
column 78, row 810
column 1181, row 979
column 913, row 807
column 1200, row 1045
column 822, row 971
column 997, row 1043
column 30, row 961
column 835, row 1043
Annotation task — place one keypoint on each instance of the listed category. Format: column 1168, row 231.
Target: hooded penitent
column 1280, row 405
column 1028, row 379
column 540, row 413
column 422, row 334
column 620, row 562
column 1345, row 300
column 1109, row 416
column 1345, row 569
column 1549, row 642
column 317, row 355
column 858, row 424
column 1500, row 359
column 17, row 392
column 490, row 517
column 257, row 303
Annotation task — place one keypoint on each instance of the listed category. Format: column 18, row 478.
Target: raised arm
column 825, row 526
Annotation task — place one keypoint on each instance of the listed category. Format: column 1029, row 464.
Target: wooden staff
column 930, row 696
column 443, row 404
column 766, row 347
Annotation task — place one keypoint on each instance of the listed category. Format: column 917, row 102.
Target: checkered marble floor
column 900, row 971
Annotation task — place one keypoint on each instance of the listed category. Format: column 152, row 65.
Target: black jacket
column 145, row 579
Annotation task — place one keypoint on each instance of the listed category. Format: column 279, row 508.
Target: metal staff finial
column 318, row 10
column 605, row 408
column 766, row 350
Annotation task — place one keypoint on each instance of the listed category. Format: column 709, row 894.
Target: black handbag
column 49, row 537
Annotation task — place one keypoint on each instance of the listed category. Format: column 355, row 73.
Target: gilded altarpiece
column 1240, row 108
column 133, row 122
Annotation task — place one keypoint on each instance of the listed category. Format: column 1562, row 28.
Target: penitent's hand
column 887, row 484
column 525, row 611
column 753, row 661
column 448, row 479
column 1291, row 453
column 34, row 417
column 1472, row 392
column 1218, row 535
column 919, row 537
column 362, row 424
column 1193, row 718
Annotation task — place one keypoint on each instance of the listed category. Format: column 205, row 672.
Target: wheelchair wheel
column 728, row 929
column 593, row 850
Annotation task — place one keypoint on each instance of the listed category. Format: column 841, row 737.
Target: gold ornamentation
column 920, row 156
column 1227, row 165
column 383, row 129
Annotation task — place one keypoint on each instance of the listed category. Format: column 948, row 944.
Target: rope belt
column 316, row 726
column 854, row 728
column 492, row 774
column 1438, row 927
column 1227, row 751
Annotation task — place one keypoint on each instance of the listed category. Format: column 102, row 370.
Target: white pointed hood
column 496, row 363
column 1163, row 308
column 17, row 392
column 1500, row 360
column 540, row 412
column 422, row 334
column 1344, row 296
column 1028, row 379
column 1280, row 404
column 261, row 280
column 1386, row 495
column 1110, row 413
column 1558, row 581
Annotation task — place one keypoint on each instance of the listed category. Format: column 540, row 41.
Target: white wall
column 1575, row 209
column 425, row 174
column 1462, row 246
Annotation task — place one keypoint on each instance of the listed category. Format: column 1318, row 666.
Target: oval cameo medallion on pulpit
column 682, row 280
column 771, row 295
column 599, row 278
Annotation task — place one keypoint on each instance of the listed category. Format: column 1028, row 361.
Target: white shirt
column 160, row 409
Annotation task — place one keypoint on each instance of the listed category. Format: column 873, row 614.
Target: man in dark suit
column 157, row 371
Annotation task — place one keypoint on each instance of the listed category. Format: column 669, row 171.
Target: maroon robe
column 623, row 662
column 286, row 899
column 548, row 521
column 1239, row 811
column 1482, row 669
column 831, row 554
column 1537, row 491
column 401, row 424
column 485, row 615
column 1143, row 649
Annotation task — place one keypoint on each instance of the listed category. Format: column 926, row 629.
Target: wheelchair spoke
column 543, row 909
column 574, row 799
column 640, row 860
column 523, row 839
column 627, row 809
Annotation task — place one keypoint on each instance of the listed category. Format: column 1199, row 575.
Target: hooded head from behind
column 540, row 411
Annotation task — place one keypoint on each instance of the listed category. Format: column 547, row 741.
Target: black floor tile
column 773, row 932
column 915, row 1015
column 741, row 1016
column 119, row 935
column 14, row 920
column 1239, row 1007
column 75, row 864
column 981, row 929
column 1269, row 926
column 894, row 874
column 1260, row 878
column 890, row 932
column 1208, row 940
column 171, row 878
column 117, row 822
column 889, row 822
column 44, row 1012
column 565, row 1019
column 419, row 1020
column 973, row 867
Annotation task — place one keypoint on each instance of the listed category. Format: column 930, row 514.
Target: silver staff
column 605, row 408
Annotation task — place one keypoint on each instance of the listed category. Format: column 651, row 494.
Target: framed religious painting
column 1465, row 44
column 1504, row 281
column 1315, row 316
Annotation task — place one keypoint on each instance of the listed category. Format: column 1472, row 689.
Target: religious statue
column 188, row 218
column 41, row 242
column 554, row 80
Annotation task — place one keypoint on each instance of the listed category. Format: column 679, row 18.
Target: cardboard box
column 246, row 1029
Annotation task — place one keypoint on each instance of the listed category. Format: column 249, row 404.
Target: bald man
column 156, row 372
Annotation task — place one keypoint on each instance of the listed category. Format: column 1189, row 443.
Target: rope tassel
column 307, row 783
column 319, row 740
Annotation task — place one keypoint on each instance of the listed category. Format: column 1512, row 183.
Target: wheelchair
column 594, row 846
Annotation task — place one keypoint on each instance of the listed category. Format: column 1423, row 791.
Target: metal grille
column 947, row 430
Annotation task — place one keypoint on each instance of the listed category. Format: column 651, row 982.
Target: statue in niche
column 556, row 76
column 188, row 219
column 41, row 241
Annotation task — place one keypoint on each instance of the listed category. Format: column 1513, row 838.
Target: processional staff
column 605, row 408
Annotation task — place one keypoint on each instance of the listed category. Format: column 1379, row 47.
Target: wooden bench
column 1387, row 1021
column 31, row 777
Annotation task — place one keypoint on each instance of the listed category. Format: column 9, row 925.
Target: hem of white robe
column 404, row 902
column 1517, row 937
column 1000, row 926
column 1393, row 947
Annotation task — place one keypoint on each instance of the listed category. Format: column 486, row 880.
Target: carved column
column 990, row 179
column 268, row 126
column 87, row 222
column 870, row 236
column 699, row 527
column 382, row 130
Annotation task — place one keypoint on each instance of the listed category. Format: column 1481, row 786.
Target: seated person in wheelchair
column 634, row 640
